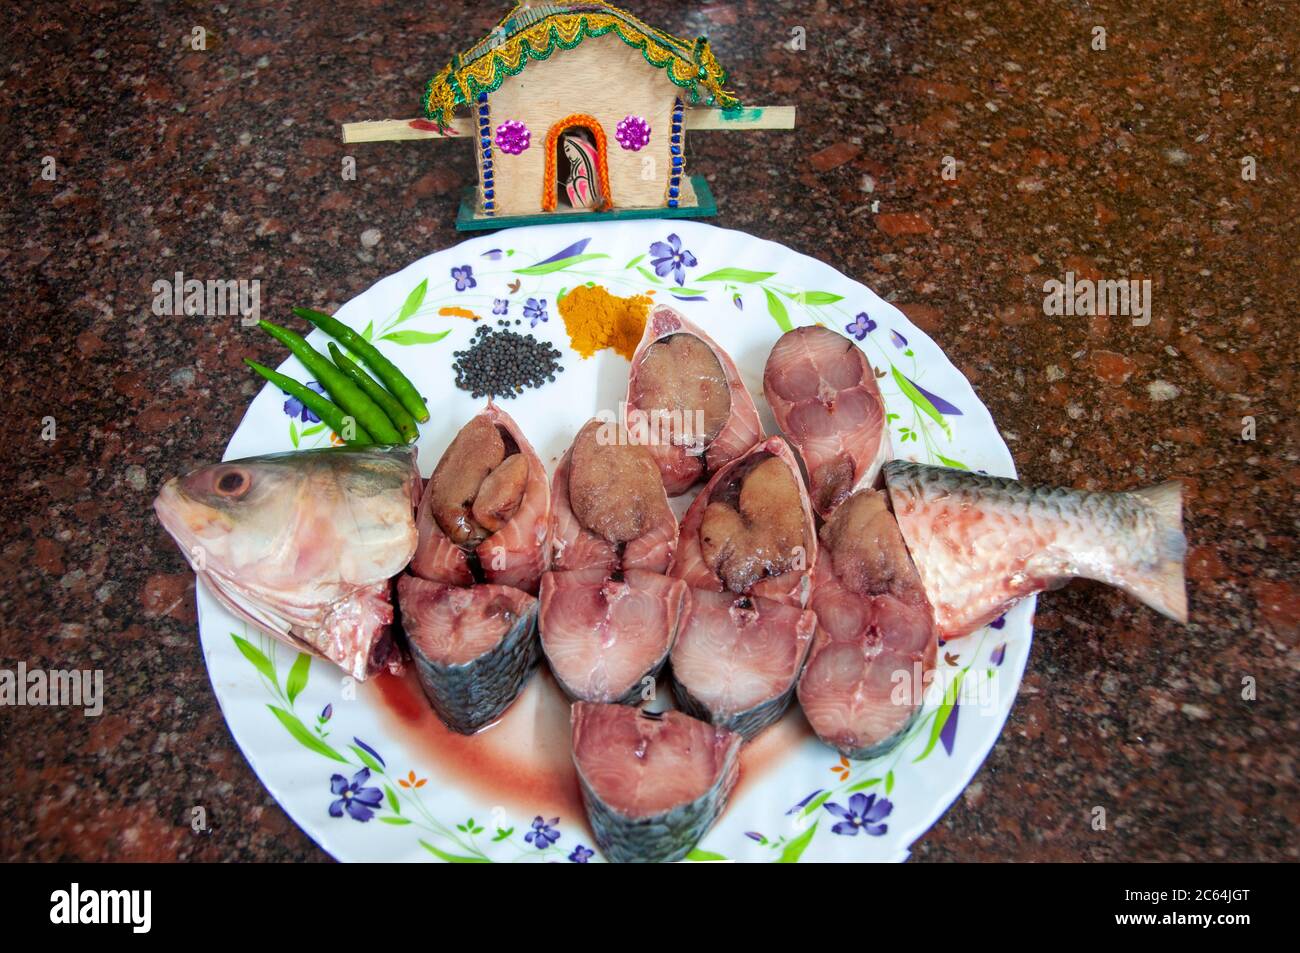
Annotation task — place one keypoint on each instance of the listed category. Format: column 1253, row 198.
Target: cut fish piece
column 480, row 461
column 607, row 639
column 983, row 543
column 824, row 396
column 474, row 648
column 652, row 784
column 760, row 539
column 609, row 507
column 874, row 654
column 737, row 659
column 686, row 401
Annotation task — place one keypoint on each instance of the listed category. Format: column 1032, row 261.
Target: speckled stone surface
column 1108, row 163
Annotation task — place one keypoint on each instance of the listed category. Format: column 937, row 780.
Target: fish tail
column 1163, row 587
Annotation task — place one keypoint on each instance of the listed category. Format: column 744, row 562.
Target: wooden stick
column 698, row 119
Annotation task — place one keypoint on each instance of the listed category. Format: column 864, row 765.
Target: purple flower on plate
column 354, row 797
column 865, row 812
column 327, row 713
column 860, row 326
column 900, row 342
column 672, row 258
column 738, row 301
column 1001, row 620
column 804, row 802
column 501, row 306
column 581, row 854
column 464, row 277
column 543, row 834
column 632, row 133
column 535, row 311
column 295, row 408
column 999, row 654
column 513, row 137
column 493, row 254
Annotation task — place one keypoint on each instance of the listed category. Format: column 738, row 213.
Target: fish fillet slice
column 824, row 396
column 652, row 784
column 874, row 653
column 607, row 639
column 982, row 543
column 474, row 648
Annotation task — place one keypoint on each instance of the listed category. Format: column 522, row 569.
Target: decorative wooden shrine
column 578, row 109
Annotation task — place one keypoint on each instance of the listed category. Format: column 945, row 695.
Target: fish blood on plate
column 825, row 399
column 652, row 784
column 874, row 653
column 304, row 545
column 609, row 614
column 686, row 402
column 983, row 543
column 469, row 607
column 747, row 551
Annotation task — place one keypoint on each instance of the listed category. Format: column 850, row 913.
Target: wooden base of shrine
column 470, row 219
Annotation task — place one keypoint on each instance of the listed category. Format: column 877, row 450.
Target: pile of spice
column 596, row 319
column 500, row 363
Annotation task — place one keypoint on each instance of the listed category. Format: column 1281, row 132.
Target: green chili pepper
column 390, row 405
column 337, row 421
column 398, row 384
column 339, row 386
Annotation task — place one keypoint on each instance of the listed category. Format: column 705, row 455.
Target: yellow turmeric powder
column 596, row 319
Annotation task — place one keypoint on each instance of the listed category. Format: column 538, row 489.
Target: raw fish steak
column 983, row 543
column 609, row 615
column 824, row 396
column 747, row 550
column 473, row 646
column 652, row 784
column 686, row 401
column 486, row 508
column 873, row 657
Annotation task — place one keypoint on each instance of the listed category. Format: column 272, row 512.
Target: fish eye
column 233, row 483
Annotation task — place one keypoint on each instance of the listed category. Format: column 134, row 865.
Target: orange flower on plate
column 411, row 781
column 842, row 768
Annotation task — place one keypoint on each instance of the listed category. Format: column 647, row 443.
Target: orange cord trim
column 602, row 159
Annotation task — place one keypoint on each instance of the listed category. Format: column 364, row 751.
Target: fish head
column 228, row 515
column 284, row 517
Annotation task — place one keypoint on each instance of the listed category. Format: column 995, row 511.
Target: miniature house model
column 578, row 109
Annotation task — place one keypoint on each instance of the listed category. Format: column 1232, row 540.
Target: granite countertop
column 1122, row 162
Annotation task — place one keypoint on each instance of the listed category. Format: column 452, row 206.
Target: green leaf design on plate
column 794, row 850
column 920, row 400
column 815, row 803
column 415, row 337
column 412, row 303
column 395, row 821
column 889, row 782
column 633, row 262
column 739, row 275
column 293, row 433
column 813, row 297
column 393, row 803
column 302, row 735
column 367, row 759
column 704, row 856
column 502, row 834
column 777, row 310
column 653, row 279
column 312, row 430
column 297, row 680
column 452, row 858
column 559, row 265
column 941, row 716
column 863, row 785
column 369, row 332
column 256, row 656
column 949, row 462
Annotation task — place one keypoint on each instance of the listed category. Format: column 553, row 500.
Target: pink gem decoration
column 632, row 133
column 513, row 137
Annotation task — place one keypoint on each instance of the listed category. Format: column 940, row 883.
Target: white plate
column 306, row 729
